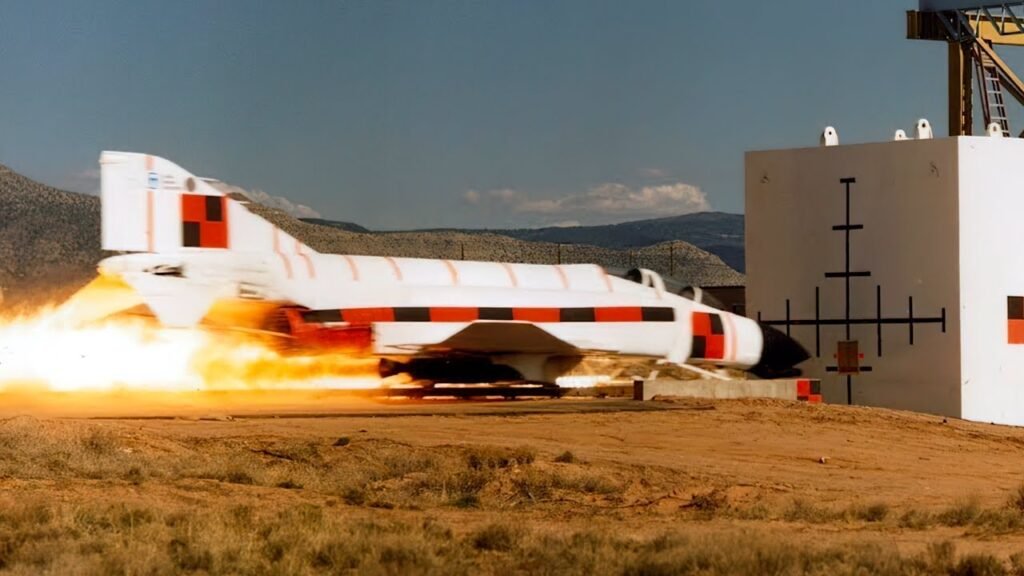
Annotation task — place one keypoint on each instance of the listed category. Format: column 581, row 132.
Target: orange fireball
column 93, row 342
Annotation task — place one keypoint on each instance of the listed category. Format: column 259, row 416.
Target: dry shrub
column 369, row 471
column 566, row 457
column 499, row 537
column 239, row 470
column 961, row 513
column 101, row 539
column 1000, row 520
column 803, row 510
column 916, row 519
column 876, row 512
column 1017, row 564
column 493, row 457
column 708, row 503
column 758, row 511
column 1016, row 499
column 978, row 565
column 535, row 484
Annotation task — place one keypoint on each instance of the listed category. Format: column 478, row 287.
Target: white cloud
column 610, row 202
column 269, row 200
column 565, row 224
column 654, row 173
column 86, row 181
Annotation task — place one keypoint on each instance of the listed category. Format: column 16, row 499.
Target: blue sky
column 423, row 114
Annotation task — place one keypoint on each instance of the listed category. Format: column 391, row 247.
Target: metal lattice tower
column 972, row 28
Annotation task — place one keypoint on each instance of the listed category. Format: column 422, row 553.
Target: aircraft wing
column 505, row 338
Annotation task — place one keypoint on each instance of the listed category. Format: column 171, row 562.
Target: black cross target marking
column 846, row 321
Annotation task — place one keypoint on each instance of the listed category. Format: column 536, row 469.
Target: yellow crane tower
column 973, row 28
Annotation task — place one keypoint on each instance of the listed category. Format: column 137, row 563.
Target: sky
column 416, row 114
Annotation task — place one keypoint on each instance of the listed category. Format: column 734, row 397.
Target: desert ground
column 318, row 483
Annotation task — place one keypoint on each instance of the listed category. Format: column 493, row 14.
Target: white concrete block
column 912, row 250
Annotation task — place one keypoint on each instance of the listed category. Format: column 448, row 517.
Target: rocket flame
column 54, row 350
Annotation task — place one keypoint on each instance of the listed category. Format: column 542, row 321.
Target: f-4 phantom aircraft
column 190, row 247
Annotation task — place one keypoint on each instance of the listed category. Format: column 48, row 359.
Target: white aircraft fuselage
column 196, row 247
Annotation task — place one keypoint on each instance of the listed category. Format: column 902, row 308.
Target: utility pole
column 672, row 259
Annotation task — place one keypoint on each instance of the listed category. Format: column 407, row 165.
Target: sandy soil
column 759, row 456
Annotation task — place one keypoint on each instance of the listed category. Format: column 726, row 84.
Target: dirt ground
column 818, row 477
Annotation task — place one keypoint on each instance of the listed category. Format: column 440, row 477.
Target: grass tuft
column 961, row 513
column 1016, row 500
column 916, row 519
column 876, row 512
column 803, row 510
column 495, row 458
column 497, row 537
column 708, row 503
column 566, row 457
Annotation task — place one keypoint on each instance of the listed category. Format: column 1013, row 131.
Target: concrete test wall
column 991, row 277
column 860, row 245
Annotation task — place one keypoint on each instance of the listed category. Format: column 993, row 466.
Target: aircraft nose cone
column 779, row 354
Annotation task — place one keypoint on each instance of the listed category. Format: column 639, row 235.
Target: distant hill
column 716, row 232
column 50, row 244
column 346, row 226
column 49, row 239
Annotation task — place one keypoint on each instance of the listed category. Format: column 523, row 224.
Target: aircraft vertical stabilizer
column 153, row 205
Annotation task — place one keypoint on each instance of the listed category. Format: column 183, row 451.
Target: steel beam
column 961, row 114
column 928, row 26
column 947, row 5
column 1012, row 83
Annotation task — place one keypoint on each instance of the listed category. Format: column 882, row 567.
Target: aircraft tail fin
column 153, row 205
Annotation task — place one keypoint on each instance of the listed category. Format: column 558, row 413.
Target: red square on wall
column 1015, row 331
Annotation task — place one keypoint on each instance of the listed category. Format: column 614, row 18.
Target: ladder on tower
column 993, row 103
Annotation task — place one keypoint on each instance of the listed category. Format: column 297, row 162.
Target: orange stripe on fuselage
column 368, row 315
column 454, row 314
column 149, row 220
column 619, row 314
column 511, row 274
column 277, row 250
column 309, row 261
column 537, row 314
column 563, row 276
column 352, row 267
column 394, row 268
column 452, row 271
column 607, row 280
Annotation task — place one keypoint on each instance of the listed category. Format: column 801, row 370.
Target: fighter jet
column 190, row 248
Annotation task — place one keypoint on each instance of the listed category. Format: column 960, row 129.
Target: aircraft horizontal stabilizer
column 176, row 303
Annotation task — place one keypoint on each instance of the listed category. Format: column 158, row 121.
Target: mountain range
column 719, row 233
column 50, row 242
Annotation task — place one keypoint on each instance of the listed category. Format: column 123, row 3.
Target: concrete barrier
column 802, row 389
